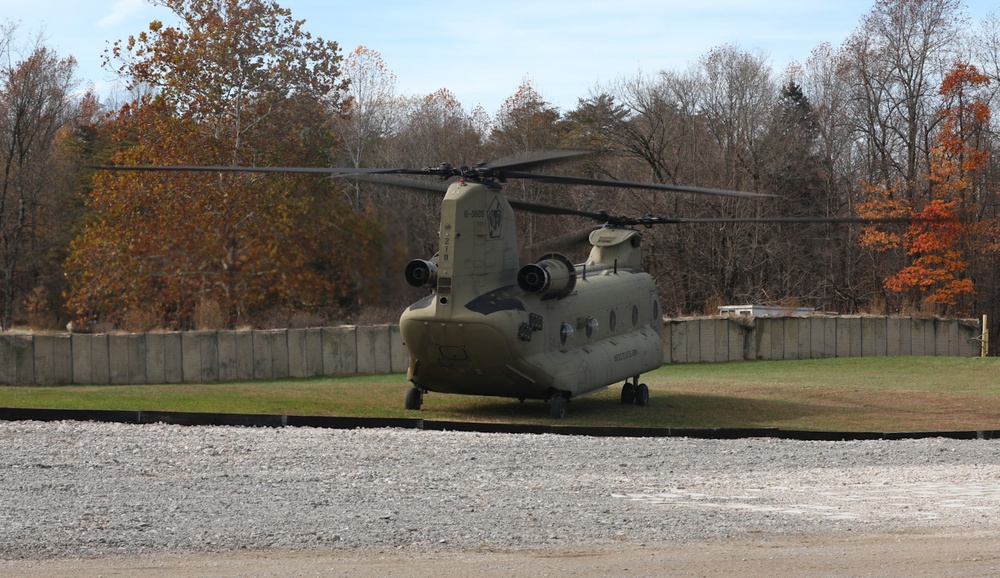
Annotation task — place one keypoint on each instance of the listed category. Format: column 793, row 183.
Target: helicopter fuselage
column 548, row 329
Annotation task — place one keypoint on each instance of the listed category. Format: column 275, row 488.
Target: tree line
column 893, row 122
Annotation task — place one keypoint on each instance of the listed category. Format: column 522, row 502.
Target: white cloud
column 121, row 11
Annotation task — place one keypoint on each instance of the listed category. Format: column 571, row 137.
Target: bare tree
column 431, row 129
column 826, row 81
column 739, row 98
column 985, row 48
column 527, row 122
column 35, row 104
column 372, row 116
column 897, row 59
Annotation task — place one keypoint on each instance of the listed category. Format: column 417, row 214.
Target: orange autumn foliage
column 164, row 242
column 241, row 85
column 944, row 221
column 938, row 262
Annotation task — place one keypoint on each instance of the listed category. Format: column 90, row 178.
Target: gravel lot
column 73, row 494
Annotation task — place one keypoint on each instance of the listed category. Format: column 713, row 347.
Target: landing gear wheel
column 642, row 395
column 414, row 398
column 557, row 408
column 628, row 393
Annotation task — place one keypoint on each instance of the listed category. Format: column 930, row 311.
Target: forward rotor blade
column 438, row 188
column 498, row 169
column 522, row 161
column 517, row 205
column 246, row 169
column 380, row 176
column 567, row 180
column 233, row 169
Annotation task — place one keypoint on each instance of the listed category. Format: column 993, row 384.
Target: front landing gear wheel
column 414, row 398
column 557, row 408
column 628, row 393
column 642, row 395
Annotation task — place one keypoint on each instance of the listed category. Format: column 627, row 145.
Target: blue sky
column 566, row 47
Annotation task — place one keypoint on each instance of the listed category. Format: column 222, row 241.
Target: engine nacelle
column 420, row 273
column 554, row 276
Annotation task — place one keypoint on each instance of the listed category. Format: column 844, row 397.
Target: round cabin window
column 565, row 332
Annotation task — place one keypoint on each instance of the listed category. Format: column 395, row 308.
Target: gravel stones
column 95, row 489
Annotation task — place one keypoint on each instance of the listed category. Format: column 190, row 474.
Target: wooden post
column 986, row 338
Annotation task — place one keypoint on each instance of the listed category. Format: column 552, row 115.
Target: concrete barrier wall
column 204, row 356
column 712, row 340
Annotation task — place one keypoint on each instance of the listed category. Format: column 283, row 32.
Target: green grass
column 857, row 394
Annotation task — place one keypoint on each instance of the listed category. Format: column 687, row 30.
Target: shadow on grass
column 664, row 410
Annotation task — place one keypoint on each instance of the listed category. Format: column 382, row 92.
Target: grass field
column 885, row 394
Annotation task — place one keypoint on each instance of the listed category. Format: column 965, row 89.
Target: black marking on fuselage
column 502, row 299
column 422, row 304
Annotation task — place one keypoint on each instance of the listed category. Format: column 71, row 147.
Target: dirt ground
column 879, row 555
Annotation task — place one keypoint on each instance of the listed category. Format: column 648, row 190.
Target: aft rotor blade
column 649, row 220
column 528, row 160
column 567, row 180
column 604, row 217
column 543, row 209
column 564, row 242
column 773, row 220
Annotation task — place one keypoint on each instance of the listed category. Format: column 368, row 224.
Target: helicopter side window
column 612, row 320
column 565, row 332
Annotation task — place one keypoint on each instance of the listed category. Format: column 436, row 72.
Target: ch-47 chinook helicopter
column 549, row 330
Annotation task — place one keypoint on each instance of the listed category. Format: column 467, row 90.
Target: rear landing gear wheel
column 642, row 395
column 628, row 393
column 414, row 398
column 557, row 408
